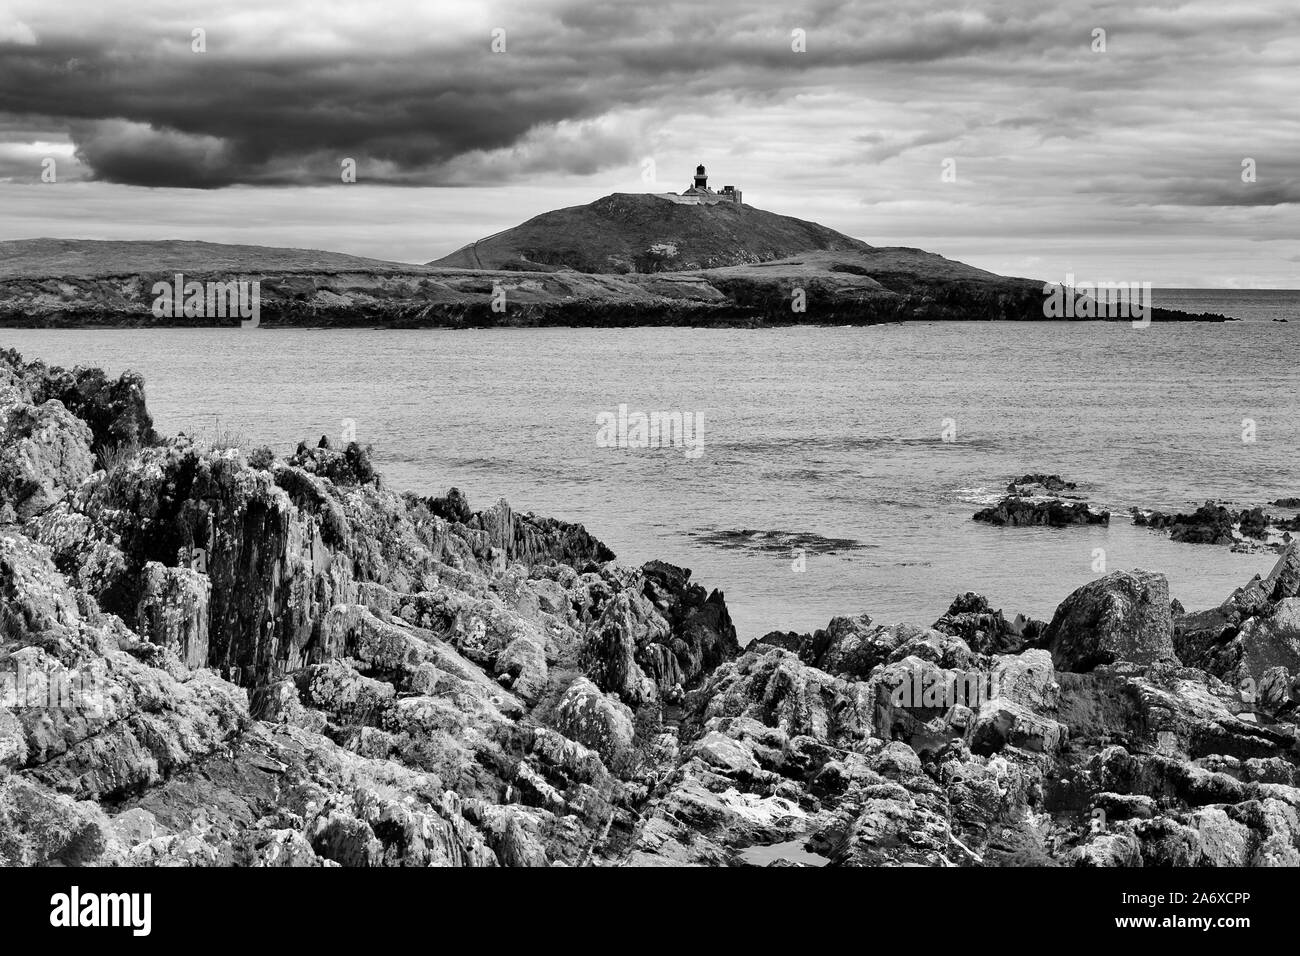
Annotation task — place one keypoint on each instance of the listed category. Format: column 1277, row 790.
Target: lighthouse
column 699, row 190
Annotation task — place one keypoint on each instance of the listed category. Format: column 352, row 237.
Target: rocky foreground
column 283, row 662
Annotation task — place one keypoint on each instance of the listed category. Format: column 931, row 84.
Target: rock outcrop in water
column 1015, row 512
column 1042, row 500
column 1038, row 483
column 1212, row 523
column 219, row 658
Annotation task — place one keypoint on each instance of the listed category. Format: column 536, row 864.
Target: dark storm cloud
column 143, row 109
column 174, row 118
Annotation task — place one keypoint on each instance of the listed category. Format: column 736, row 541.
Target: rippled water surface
column 809, row 434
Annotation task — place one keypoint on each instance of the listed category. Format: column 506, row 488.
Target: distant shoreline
column 462, row 299
column 50, row 283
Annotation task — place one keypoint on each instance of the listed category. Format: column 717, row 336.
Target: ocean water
column 833, row 439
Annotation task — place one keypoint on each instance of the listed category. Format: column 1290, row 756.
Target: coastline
column 510, row 695
column 78, row 284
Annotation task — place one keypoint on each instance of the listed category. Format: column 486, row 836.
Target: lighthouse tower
column 699, row 191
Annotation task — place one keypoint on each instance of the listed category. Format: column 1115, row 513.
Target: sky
column 1112, row 141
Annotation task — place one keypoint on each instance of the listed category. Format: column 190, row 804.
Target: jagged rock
column 521, row 666
column 351, row 466
column 719, row 822
column 1122, row 616
column 1124, row 806
column 122, row 724
column 854, row 647
column 945, row 650
column 985, row 630
column 1006, row 703
column 533, row 540
column 1108, row 850
column 1209, row 639
column 44, row 454
column 595, row 720
column 1223, row 841
column 173, row 611
column 136, row 826
column 1004, row 723
column 1039, row 483
column 1277, row 691
column 702, row 633
column 892, row 832
column 726, row 755
column 658, row 635
column 453, row 506
column 40, row 828
column 611, row 654
column 13, row 740
column 1275, row 826
column 339, row 690
column 280, row 703
column 786, row 640
column 1015, row 512
column 1266, row 643
column 775, row 688
column 1211, row 523
column 113, row 409
column 1028, row 678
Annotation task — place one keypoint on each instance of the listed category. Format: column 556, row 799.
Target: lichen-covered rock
column 1267, row 642
column 114, row 409
column 1002, row 723
column 1108, row 850
column 595, row 720
column 533, row 540
column 775, row 688
column 351, row 466
column 627, row 632
column 173, row 611
column 44, row 454
column 851, row 646
column 42, row 828
column 985, row 630
column 1206, row 639
column 1124, row 616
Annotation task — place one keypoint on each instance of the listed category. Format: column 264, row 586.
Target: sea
column 830, row 471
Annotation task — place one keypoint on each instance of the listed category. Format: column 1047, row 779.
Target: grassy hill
column 40, row 258
column 647, row 232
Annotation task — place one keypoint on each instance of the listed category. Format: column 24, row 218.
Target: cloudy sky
column 1122, row 165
